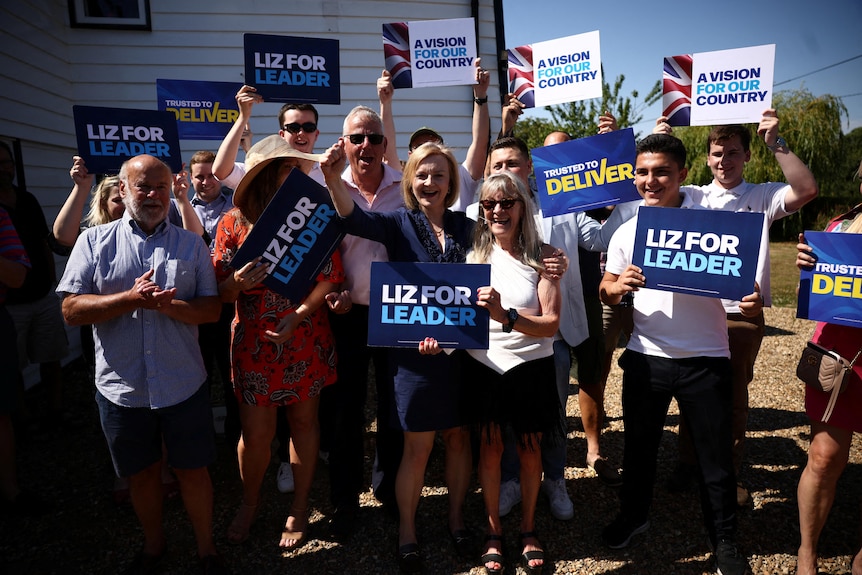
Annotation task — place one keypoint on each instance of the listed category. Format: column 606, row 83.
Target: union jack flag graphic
column 676, row 90
column 521, row 74
column 396, row 50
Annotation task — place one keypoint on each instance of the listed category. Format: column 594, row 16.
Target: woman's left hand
column 285, row 329
column 429, row 346
column 752, row 304
column 556, row 265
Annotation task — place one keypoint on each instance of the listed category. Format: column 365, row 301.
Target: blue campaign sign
column 204, row 110
column 412, row 301
column 585, row 174
column 107, row 137
column 293, row 69
column 709, row 253
column 296, row 234
column 832, row 290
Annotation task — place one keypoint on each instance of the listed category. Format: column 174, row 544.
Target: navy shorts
column 135, row 434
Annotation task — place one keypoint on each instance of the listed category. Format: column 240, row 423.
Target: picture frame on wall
column 110, row 14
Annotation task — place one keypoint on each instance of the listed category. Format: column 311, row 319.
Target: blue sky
column 637, row 34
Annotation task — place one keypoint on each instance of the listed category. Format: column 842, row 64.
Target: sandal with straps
column 535, row 555
column 297, row 536
column 238, row 531
column 488, row 557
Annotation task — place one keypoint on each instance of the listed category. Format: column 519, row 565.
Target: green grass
column 784, row 273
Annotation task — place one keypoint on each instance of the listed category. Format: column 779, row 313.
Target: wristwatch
column 512, row 316
column 779, row 143
column 481, row 101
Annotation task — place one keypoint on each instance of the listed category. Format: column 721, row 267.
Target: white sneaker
column 284, row 479
column 561, row 504
column 510, row 495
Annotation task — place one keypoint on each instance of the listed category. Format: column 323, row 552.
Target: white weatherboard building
column 47, row 65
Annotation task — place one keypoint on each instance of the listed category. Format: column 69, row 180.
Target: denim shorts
column 135, row 434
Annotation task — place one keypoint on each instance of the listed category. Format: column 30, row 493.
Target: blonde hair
column 528, row 243
column 418, row 156
column 856, row 226
column 99, row 213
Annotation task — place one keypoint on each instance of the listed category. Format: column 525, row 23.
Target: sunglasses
column 505, row 203
column 295, row 127
column 357, row 139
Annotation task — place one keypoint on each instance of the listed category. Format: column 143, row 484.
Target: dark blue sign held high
column 295, row 235
column 293, row 69
column 107, row 137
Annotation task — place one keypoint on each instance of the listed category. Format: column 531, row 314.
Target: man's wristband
column 779, row 143
column 481, row 101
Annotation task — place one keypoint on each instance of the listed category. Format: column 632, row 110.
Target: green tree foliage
column 812, row 127
column 580, row 119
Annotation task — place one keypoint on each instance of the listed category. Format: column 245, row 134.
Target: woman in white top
column 514, row 378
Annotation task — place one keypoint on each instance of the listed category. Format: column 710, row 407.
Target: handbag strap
column 836, row 390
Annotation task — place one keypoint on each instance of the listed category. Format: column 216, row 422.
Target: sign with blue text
column 412, row 301
column 430, row 52
column 586, row 174
column 557, row 71
column 295, row 235
column 293, row 69
column 709, row 253
column 107, row 137
column 204, row 110
column 832, row 290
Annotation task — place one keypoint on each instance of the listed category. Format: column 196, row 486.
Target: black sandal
column 463, row 542
column 528, row 556
column 493, row 557
column 409, row 559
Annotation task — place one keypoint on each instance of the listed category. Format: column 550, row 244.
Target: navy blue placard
column 710, row 253
column 412, row 301
column 204, row 110
column 296, row 234
column 293, row 69
column 107, row 137
column 832, row 290
column 586, row 174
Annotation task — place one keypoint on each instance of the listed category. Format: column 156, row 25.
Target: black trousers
column 342, row 413
column 702, row 389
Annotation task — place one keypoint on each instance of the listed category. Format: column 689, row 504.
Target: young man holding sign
column 678, row 349
column 729, row 150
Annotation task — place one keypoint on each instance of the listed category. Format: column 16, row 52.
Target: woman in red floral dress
column 282, row 353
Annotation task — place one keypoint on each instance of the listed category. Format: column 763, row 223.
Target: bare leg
column 490, row 453
column 827, row 457
column 197, row 490
column 145, row 489
column 409, row 481
column 253, row 453
column 531, row 478
column 591, row 400
column 458, row 466
column 304, row 445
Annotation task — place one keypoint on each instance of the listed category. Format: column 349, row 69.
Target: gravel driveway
column 87, row 533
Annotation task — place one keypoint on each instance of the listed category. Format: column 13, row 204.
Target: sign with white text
column 293, row 69
column 709, row 253
column 586, row 174
column 430, row 52
column 721, row 87
column 557, row 71
column 412, row 301
column 107, row 137
column 832, row 290
column 204, row 110
column 295, row 235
